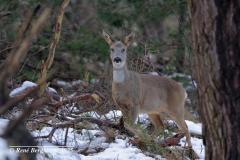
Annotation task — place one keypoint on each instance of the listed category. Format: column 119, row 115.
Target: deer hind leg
column 157, row 122
column 183, row 127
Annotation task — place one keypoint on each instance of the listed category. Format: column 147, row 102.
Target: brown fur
column 141, row 93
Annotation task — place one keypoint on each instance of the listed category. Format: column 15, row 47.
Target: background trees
column 160, row 28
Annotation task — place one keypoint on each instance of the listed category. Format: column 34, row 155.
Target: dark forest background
column 161, row 29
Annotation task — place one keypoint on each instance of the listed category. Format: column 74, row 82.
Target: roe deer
column 138, row 93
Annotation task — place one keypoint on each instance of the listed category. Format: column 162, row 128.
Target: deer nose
column 117, row 60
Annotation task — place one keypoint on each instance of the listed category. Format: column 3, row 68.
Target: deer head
column 118, row 50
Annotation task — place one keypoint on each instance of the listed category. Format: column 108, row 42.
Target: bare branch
column 55, row 39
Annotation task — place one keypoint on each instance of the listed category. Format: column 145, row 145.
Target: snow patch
column 120, row 150
column 197, row 146
column 53, row 152
column 24, row 86
column 114, row 114
column 194, row 127
column 154, row 73
column 5, row 153
column 3, row 125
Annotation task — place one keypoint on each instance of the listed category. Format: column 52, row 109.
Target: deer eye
column 112, row 50
column 123, row 50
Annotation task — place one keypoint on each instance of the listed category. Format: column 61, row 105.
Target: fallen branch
column 75, row 99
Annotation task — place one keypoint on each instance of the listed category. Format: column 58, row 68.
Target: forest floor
column 93, row 142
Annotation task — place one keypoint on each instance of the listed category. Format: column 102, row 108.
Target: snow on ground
column 94, row 139
column 195, row 128
column 197, row 146
column 5, row 153
column 110, row 115
column 3, row 125
column 197, row 143
column 56, row 153
column 119, row 150
column 26, row 85
column 87, row 138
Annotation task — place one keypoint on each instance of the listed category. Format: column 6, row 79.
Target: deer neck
column 120, row 75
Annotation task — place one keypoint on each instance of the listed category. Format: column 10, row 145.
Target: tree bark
column 216, row 63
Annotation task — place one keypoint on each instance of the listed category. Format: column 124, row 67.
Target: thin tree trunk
column 216, row 63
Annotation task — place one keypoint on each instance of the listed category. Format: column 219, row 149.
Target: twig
column 66, row 134
column 27, row 59
column 49, row 136
column 7, row 48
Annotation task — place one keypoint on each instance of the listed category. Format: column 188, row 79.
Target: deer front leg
column 130, row 113
column 133, row 113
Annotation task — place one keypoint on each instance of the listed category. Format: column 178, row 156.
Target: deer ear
column 107, row 38
column 128, row 39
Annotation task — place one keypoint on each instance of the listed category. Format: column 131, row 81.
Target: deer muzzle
column 117, row 60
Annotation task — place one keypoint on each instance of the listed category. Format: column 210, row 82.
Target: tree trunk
column 216, row 63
